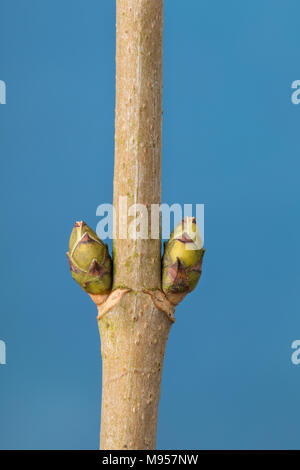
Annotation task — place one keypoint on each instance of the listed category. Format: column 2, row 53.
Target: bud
column 182, row 259
column 89, row 260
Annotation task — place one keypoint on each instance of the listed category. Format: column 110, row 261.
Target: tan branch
column 134, row 332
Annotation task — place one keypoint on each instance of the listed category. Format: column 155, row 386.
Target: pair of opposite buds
column 91, row 264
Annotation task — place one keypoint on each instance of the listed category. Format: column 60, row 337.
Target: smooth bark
column 134, row 332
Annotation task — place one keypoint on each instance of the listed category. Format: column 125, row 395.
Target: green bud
column 182, row 260
column 89, row 260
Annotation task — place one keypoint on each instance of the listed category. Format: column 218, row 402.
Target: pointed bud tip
column 80, row 223
column 187, row 219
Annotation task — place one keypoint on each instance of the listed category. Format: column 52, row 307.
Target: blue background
column 230, row 141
